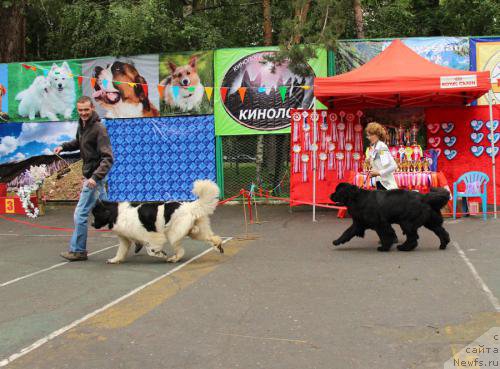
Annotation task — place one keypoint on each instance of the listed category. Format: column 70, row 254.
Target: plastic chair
column 473, row 183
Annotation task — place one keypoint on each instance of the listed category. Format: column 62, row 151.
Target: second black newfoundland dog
column 377, row 210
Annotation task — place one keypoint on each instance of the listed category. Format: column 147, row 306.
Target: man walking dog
column 95, row 149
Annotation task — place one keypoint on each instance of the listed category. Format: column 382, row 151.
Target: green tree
column 61, row 29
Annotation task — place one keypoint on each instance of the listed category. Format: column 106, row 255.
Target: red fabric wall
column 452, row 131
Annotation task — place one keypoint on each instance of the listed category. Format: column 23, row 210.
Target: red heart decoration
column 433, row 128
column 434, row 141
column 438, row 151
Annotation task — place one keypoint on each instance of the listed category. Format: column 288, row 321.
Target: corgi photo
column 190, row 87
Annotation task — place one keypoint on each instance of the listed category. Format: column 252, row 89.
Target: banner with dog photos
column 46, row 92
column 141, row 86
column 158, row 159
column 485, row 55
column 252, row 97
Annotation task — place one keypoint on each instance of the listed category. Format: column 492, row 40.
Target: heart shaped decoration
column 477, row 151
column 434, row 141
column 489, row 150
column 450, row 140
column 450, row 154
column 433, row 128
column 438, row 152
column 447, row 127
column 476, row 124
column 495, row 124
column 476, row 137
column 494, row 138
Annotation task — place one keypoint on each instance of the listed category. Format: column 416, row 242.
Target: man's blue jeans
column 88, row 198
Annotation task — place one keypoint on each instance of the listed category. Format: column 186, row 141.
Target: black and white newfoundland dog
column 153, row 224
column 377, row 210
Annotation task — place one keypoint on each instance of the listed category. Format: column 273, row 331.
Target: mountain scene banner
column 252, row 98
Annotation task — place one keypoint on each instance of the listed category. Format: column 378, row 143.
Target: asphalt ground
column 281, row 296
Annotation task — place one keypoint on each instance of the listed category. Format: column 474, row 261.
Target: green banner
column 251, row 98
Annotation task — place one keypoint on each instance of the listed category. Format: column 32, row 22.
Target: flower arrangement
column 34, row 178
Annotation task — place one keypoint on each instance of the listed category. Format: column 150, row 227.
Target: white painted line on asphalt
column 50, row 235
column 494, row 301
column 62, row 330
column 50, row 268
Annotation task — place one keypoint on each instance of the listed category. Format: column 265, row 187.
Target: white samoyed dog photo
column 31, row 99
column 57, row 97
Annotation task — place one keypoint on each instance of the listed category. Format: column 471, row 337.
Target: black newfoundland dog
column 377, row 210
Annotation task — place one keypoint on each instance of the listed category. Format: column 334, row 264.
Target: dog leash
column 62, row 172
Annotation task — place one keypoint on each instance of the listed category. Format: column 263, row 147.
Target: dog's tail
column 208, row 196
column 21, row 95
column 437, row 198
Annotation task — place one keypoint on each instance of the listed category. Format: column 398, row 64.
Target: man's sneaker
column 74, row 256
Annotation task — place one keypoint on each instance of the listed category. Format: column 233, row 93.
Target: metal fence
column 261, row 160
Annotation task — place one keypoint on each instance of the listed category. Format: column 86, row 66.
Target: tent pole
column 493, row 163
column 314, row 122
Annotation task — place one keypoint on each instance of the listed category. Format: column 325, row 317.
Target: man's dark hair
column 84, row 99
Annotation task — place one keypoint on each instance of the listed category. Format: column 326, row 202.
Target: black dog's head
column 105, row 214
column 344, row 194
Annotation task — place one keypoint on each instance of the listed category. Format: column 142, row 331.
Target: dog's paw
column 443, row 246
column 383, row 249
column 173, row 259
column 113, row 261
column 219, row 248
column 404, row 247
column 336, row 243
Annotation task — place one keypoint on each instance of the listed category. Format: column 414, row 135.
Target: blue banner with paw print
column 158, row 159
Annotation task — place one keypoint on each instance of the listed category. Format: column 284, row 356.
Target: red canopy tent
column 399, row 77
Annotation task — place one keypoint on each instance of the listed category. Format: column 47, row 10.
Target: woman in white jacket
column 378, row 155
column 382, row 163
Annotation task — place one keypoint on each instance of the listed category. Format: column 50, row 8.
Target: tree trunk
column 358, row 16
column 268, row 29
column 13, row 35
column 301, row 15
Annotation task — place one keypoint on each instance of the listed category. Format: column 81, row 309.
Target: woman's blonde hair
column 375, row 128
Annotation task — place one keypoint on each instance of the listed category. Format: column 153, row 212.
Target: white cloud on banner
column 47, row 151
column 8, row 144
column 18, row 157
column 45, row 133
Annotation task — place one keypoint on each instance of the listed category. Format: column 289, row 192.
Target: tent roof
column 399, row 77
